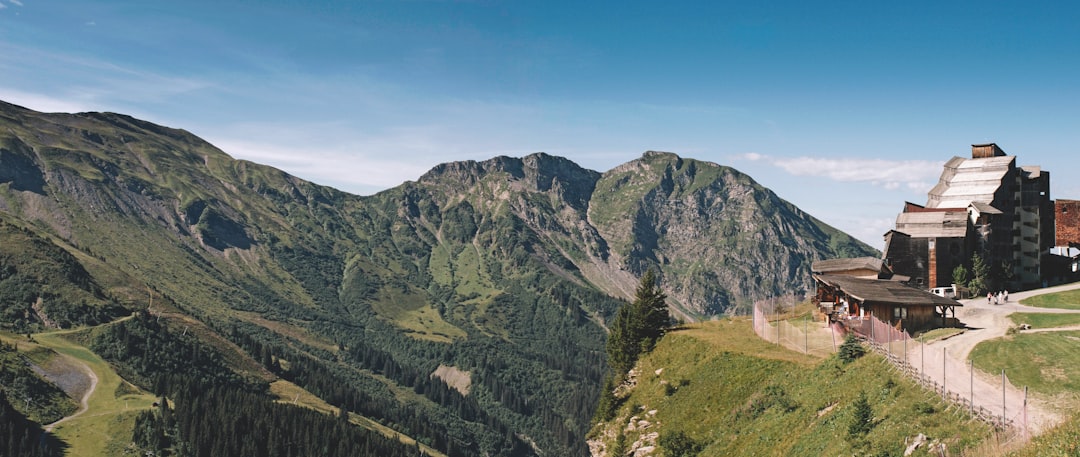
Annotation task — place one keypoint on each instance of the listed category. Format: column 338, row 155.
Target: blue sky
column 846, row 109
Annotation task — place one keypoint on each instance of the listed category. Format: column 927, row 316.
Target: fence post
column 832, row 333
column 942, row 373
column 1003, row 399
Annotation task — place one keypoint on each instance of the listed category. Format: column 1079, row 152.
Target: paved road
column 946, row 360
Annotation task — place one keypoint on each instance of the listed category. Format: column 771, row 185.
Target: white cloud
column 101, row 85
column 341, row 155
column 911, row 175
column 16, row 2
column 2, row 6
column 43, row 103
column 357, row 173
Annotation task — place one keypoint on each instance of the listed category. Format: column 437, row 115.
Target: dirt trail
column 84, row 403
column 945, row 361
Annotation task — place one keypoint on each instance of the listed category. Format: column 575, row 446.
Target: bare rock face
column 719, row 240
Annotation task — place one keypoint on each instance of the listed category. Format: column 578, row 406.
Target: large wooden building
column 845, row 298
column 984, row 205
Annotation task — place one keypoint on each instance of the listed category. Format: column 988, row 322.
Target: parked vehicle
column 947, row 292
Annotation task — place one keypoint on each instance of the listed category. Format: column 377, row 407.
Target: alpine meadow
column 233, row 309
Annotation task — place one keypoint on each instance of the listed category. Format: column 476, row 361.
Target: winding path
column 946, row 361
column 52, row 340
column 84, row 403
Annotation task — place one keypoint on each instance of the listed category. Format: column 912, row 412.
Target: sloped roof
column 857, row 263
column 882, row 291
column 936, row 224
column 969, row 180
column 985, row 208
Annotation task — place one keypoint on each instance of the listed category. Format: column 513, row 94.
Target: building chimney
column 932, row 273
column 985, row 151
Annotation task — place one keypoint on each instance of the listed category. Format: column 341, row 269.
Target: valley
column 462, row 314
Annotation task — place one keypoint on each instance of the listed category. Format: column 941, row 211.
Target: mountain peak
column 650, row 154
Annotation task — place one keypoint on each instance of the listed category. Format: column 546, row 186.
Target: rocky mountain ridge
column 507, row 269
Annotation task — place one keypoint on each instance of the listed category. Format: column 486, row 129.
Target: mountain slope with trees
column 507, row 272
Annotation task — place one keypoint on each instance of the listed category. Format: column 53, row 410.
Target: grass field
column 731, row 393
column 1048, row 363
column 1063, row 441
column 410, row 311
column 1069, row 299
column 1046, row 320
column 105, row 427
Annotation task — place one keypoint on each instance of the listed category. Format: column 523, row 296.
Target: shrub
column 851, row 349
column 678, row 444
column 923, row 407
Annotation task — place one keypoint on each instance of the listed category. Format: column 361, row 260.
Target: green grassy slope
column 720, row 387
column 1069, row 299
column 492, row 267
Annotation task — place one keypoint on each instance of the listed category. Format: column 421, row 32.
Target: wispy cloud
column 16, row 2
column 341, row 155
column 102, row 84
column 357, row 173
column 889, row 174
column 44, row 103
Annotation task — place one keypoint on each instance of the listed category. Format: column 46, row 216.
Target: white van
column 947, row 292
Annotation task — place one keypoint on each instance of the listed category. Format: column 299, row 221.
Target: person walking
column 1005, row 295
column 989, row 298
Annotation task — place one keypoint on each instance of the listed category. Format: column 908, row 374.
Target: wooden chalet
column 846, row 298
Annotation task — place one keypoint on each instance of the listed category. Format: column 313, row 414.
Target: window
column 899, row 312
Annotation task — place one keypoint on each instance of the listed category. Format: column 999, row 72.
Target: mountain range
column 466, row 309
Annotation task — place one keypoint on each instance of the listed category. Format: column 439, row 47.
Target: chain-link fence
column 802, row 332
column 1001, row 405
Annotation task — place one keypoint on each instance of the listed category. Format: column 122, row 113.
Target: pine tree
column 862, row 417
column 622, row 345
column 980, row 275
column 851, row 349
column 638, row 325
column 608, row 404
column 650, row 311
column 960, row 276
